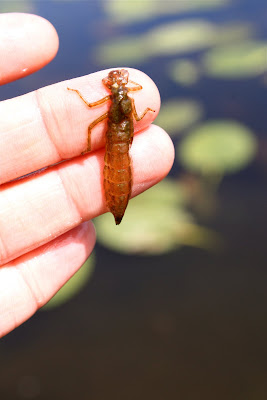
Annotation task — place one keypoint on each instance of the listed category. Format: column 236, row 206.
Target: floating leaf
column 177, row 115
column 152, row 222
column 127, row 50
column 187, row 72
column 177, row 37
column 217, row 147
column 233, row 32
column 241, row 60
column 23, row 6
column 181, row 37
column 184, row 72
column 131, row 11
column 73, row 286
column 155, row 222
column 171, row 38
column 168, row 192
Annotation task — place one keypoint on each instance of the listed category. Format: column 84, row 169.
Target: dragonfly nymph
column 119, row 137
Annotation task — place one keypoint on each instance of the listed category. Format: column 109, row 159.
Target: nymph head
column 116, row 78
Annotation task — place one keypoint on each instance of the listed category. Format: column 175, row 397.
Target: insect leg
column 96, row 103
column 90, row 127
column 135, row 88
column 136, row 116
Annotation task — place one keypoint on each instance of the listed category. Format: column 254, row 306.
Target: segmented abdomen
column 117, row 169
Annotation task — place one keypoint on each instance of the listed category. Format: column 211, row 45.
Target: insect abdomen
column 117, row 169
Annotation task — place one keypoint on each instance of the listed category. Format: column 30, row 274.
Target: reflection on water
column 179, row 321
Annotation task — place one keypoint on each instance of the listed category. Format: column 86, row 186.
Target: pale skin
column 45, row 229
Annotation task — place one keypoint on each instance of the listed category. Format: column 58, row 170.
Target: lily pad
column 171, row 38
column 181, row 37
column 241, row 60
column 131, row 11
column 24, row 6
column 178, row 115
column 73, row 286
column 178, row 37
column 184, row 72
column 233, row 32
column 217, row 147
column 152, row 222
column 129, row 50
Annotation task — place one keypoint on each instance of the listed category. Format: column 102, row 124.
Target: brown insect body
column 119, row 137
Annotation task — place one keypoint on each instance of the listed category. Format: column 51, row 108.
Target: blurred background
column 180, row 310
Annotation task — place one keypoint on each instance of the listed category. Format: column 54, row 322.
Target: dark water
column 191, row 324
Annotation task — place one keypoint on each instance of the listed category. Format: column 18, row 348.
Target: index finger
column 50, row 125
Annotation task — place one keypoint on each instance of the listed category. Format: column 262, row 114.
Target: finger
column 29, row 282
column 45, row 127
column 35, row 210
column 27, row 43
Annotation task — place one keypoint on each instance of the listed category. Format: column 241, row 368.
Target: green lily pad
column 73, row 286
column 168, row 192
column 130, row 11
column 184, row 72
column 177, row 37
column 241, row 60
column 178, row 115
column 171, row 38
column 129, row 50
column 151, row 224
column 233, row 32
column 181, row 37
column 217, row 147
column 23, row 6
column 156, row 222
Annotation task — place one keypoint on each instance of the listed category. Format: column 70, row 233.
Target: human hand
column 45, row 228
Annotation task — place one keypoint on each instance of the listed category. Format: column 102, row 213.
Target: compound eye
column 113, row 75
column 124, row 75
column 107, row 82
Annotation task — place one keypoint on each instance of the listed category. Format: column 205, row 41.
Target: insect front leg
column 90, row 127
column 136, row 116
column 96, row 103
column 135, row 88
